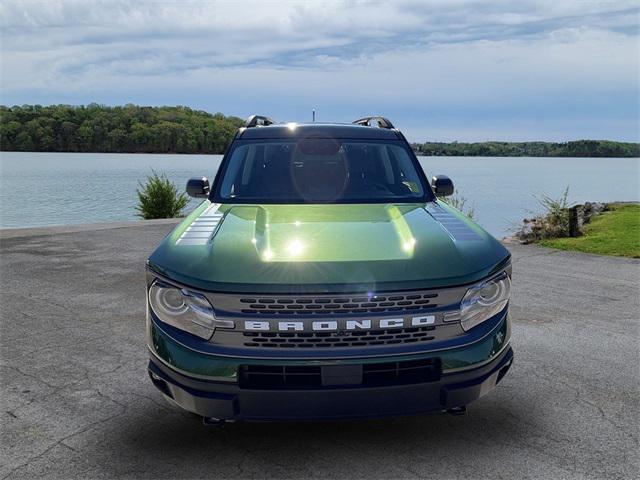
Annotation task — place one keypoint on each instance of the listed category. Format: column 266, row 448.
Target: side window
column 249, row 162
column 387, row 167
column 404, row 170
column 236, row 162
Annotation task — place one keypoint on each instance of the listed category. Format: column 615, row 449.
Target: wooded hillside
column 98, row 128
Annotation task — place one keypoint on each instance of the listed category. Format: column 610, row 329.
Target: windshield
column 320, row 170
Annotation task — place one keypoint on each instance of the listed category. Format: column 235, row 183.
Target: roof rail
column 258, row 121
column 382, row 122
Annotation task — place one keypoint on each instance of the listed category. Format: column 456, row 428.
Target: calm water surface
column 38, row 189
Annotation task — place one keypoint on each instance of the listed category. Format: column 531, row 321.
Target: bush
column 159, row 198
column 556, row 218
column 459, row 202
column 552, row 223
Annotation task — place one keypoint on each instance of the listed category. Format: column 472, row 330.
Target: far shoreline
column 221, row 154
column 96, row 128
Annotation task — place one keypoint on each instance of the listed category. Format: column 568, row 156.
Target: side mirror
column 442, row 186
column 198, row 187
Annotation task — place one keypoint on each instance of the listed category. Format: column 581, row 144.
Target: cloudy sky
column 440, row 69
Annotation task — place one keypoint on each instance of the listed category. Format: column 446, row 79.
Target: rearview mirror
column 198, row 187
column 442, row 186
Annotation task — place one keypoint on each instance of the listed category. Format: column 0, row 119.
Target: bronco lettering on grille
column 335, row 325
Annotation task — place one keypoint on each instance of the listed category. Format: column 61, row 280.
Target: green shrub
column 556, row 216
column 552, row 223
column 459, row 202
column 159, row 198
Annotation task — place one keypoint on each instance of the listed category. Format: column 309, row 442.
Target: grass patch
column 616, row 232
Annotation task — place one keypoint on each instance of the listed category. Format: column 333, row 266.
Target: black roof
column 327, row 130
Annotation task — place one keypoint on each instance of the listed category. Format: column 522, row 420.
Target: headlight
column 186, row 310
column 484, row 300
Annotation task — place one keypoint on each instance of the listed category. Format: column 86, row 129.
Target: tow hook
column 462, row 410
column 213, row 421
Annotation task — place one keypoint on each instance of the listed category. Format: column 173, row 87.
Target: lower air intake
column 276, row 377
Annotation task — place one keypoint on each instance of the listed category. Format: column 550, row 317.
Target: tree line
column 136, row 129
column 127, row 129
column 578, row 148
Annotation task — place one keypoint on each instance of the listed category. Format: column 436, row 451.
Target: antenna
column 313, row 115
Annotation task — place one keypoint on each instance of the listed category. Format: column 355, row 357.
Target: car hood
column 327, row 248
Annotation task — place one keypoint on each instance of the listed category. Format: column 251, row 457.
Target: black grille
column 359, row 338
column 402, row 373
column 279, row 377
column 268, row 377
column 343, row 304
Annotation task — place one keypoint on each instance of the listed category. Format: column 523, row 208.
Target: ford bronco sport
column 323, row 277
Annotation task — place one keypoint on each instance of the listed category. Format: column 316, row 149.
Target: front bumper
column 229, row 402
column 209, row 385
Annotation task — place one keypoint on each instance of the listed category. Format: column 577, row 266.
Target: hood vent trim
column 202, row 228
column 455, row 228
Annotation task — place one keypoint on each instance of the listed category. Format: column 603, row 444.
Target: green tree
column 132, row 128
column 98, row 128
column 117, row 140
column 579, row 148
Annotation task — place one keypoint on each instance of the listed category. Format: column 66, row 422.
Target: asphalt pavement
column 76, row 401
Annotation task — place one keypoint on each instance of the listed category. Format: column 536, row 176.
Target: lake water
column 38, row 189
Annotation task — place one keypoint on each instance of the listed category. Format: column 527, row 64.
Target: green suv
column 323, row 277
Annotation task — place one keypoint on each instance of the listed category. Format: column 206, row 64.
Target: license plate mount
column 341, row 375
